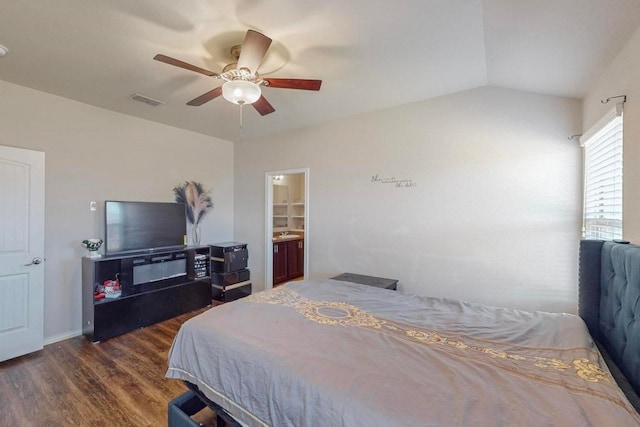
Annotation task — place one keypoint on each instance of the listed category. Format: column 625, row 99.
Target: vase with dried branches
column 198, row 201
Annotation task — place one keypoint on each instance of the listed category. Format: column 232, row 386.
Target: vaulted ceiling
column 370, row 54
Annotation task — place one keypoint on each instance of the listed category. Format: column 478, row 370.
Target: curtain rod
column 606, row 101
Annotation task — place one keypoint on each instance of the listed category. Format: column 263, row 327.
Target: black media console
column 155, row 286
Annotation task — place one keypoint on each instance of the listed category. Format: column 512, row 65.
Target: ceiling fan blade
column 262, row 106
column 182, row 64
column 212, row 94
column 254, row 47
column 303, row 84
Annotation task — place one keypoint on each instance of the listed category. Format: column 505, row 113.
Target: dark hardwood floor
column 118, row 382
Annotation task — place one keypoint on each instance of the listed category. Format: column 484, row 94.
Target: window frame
column 607, row 136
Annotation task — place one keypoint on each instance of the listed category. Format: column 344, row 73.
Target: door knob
column 35, row 261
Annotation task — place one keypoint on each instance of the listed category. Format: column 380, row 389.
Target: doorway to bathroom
column 287, row 226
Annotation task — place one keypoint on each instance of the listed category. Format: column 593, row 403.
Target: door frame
column 268, row 241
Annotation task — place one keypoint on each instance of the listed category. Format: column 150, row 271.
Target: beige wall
column 496, row 195
column 494, row 216
column 622, row 77
column 95, row 154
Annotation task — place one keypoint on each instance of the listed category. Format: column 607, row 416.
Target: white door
column 21, row 251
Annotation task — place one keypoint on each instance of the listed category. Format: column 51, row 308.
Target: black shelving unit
column 179, row 281
column 229, row 273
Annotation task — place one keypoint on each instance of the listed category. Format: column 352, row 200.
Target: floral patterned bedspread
column 325, row 352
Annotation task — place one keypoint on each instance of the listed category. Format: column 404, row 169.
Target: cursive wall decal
column 397, row 183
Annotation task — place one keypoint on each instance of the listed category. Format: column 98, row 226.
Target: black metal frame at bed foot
column 189, row 403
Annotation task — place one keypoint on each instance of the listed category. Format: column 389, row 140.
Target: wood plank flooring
column 119, row 382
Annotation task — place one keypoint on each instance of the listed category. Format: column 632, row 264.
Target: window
column 602, row 214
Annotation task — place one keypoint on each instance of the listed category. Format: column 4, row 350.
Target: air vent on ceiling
column 146, row 100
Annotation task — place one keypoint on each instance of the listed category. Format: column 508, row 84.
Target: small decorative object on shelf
column 200, row 263
column 198, row 201
column 112, row 288
column 92, row 246
column 195, row 233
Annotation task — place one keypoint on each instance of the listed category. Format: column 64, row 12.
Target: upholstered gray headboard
column 609, row 303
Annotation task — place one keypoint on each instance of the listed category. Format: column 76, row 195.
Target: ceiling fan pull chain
column 241, row 129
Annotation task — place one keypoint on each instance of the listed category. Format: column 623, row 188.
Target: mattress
column 325, row 352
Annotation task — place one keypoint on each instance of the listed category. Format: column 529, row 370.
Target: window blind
column 602, row 214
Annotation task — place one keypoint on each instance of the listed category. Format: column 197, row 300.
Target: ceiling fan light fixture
column 241, row 92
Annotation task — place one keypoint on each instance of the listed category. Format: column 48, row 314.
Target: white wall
column 622, row 77
column 494, row 216
column 96, row 154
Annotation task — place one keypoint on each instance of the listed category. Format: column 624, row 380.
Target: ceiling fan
column 242, row 84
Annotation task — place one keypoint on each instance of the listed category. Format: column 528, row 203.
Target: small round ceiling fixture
column 3, row 50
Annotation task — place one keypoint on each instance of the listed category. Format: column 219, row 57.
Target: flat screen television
column 143, row 226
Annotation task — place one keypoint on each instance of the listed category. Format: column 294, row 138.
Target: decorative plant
column 198, row 201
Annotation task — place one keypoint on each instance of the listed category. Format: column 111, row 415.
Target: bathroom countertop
column 287, row 238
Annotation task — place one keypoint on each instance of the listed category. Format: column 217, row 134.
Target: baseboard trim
column 62, row 337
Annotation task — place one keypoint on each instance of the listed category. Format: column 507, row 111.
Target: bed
column 325, row 352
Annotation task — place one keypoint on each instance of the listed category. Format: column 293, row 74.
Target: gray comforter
column 330, row 353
